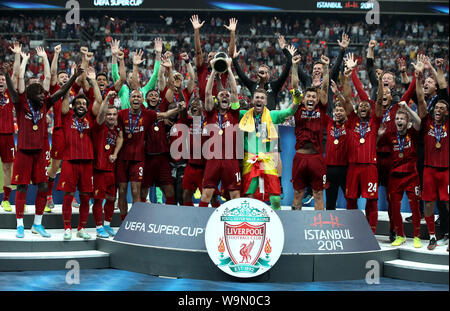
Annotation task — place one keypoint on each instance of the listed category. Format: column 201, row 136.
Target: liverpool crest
column 244, row 237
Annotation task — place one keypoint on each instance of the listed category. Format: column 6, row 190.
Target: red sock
column 414, row 205
column 84, row 211
column 430, row 224
column 391, row 220
column 352, row 203
column 20, row 203
column 203, row 204
column 372, row 214
column 215, row 203
column 170, row 200
column 6, row 193
column 41, row 199
column 67, row 211
column 50, row 187
column 122, row 216
column 109, row 209
column 395, row 216
column 190, row 203
column 97, row 211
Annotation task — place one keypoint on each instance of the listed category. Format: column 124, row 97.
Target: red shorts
column 384, row 167
column 7, row 148
column 435, row 183
column 193, row 177
column 227, row 171
column 76, row 174
column 309, row 169
column 30, row 166
column 58, row 142
column 128, row 170
column 104, row 184
column 400, row 182
column 157, row 170
column 362, row 179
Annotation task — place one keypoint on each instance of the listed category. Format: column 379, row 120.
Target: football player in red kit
column 31, row 105
column 108, row 140
column 403, row 175
column 134, row 122
column 362, row 175
column 435, row 174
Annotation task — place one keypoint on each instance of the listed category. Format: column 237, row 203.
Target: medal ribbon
column 111, row 138
column 132, row 125
column 386, row 114
column 80, row 126
column 337, row 132
column 220, row 119
column 401, row 143
column 2, row 99
column 363, row 130
column 34, row 113
column 431, row 102
column 437, row 132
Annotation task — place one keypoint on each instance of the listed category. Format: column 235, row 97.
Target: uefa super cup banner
column 245, row 237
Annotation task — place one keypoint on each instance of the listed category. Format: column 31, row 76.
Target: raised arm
column 343, row 44
column 97, row 93
column 21, row 79
column 233, row 86
column 421, row 103
column 370, row 63
column 54, row 65
column 232, row 28
column 379, row 101
column 191, row 81
column 294, row 72
column 115, row 48
column 47, row 75
column 351, row 63
column 101, row 116
column 66, row 87
column 401, row 66
column 246, row 81
column 65, row 106
column 17, row 50
column 154, row 78
column 122, row 72
column 209, row 101
column 413, row 117
column 347, row 90
column 169, row 113
column 198, row 46
column 289, row 52
column 323, row 94
column 6, row 71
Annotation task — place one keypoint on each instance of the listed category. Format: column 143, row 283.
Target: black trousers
column 336, row 177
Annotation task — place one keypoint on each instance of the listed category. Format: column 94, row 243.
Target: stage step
column 53, row 220
column 25, row 261
column 416, row 271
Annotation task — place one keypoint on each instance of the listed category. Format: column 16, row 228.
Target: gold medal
column 438, row 145
column 258, row 134
column 35, row 127
column 81, row 135
column 156, row 128
column 220, row 132
column 130, row 135
column 107, row 147
column 336, row 141
column 400, row 155
column 362, row 140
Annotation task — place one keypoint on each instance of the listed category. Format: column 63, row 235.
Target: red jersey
column 6, row 114
column 223, row 124
column 194, row 145
column 78, row 136
column 156, row 140
column 403, row 149
column 177, row 98
column 388, row 119
column 203, row 75
column 58, row 105
column 337, row 140
column 134, row 132
column 309, row 127
column 358, row 152
column 32, row 126
column 434, row 136
column 104, row 140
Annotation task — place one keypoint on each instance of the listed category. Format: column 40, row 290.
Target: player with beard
column 107, row 139
column 362, row 175
column 220, row 127
column 157, row 168
column 134, row 122
column 389, row 108
column 309, row 165
column 403, row 176
column 204, row 68
column 436, row 164
column 31, row 105
column 77, row 166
